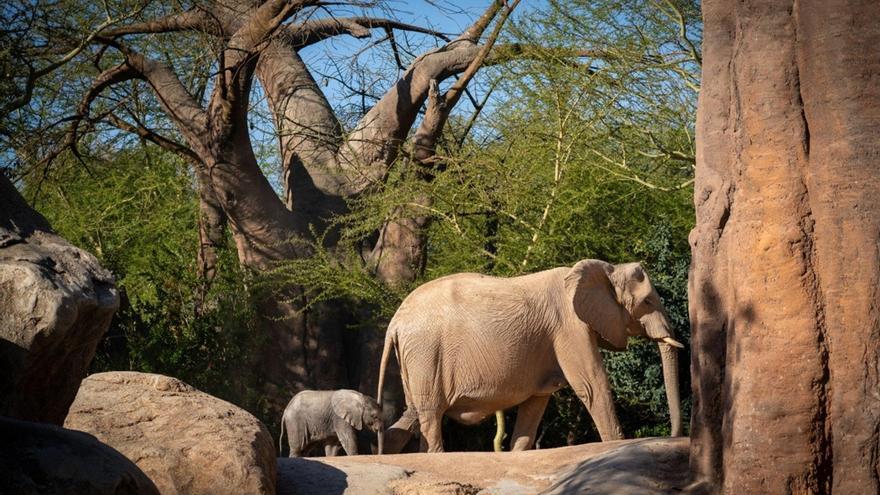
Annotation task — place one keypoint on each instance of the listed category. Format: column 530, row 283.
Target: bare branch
column 120, row 73
column 314, row 30
column 454, row 93
column 478, row 109
column 150, row 135
column 425, row 139
column 177, row 102
column 195, row 19
column 475, row 31
column 104, row 80
column 682, row 32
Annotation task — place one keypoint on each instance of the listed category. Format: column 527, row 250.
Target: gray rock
column 56, row 302
column 644, row 467
column 42, row 459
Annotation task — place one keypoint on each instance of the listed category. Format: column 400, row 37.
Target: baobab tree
column 321, row 165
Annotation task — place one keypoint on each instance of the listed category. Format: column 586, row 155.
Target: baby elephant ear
column 349, row 405
column 590, row 290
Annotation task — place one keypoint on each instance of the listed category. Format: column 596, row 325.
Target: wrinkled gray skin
column 328, row 417
column 470, row 344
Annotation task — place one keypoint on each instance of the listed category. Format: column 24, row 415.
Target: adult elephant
column 471, row 344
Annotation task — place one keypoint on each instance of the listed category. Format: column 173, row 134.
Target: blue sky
column 441, row 15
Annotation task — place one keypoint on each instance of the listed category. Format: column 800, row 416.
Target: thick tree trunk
column 309, row 135
column 212, row 237
column 785, row 279
column 302, row 347
column 322, row 169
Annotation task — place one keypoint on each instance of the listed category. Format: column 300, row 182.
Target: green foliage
column 338, row 276
column 137, row 212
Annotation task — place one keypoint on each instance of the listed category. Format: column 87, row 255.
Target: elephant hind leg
column 295, row 441
column 430, row 421
column 528, row 417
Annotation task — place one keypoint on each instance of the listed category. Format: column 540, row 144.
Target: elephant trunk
column 380, row 435
column 669, row 356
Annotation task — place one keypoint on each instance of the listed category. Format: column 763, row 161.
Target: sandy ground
column 627, row 466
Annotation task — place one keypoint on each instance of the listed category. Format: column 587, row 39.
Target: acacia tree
column 322, row 167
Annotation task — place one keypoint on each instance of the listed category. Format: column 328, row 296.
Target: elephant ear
column 348, row 405
column 589, row 288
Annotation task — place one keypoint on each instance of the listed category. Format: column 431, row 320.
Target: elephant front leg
column 348, row 438
column 331, row 449
column 528, row 417
column 600, row 404
column 584, row 369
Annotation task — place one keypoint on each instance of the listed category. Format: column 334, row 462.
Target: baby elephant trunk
column 380, row 435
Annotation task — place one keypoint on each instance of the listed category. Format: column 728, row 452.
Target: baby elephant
column 329, row 418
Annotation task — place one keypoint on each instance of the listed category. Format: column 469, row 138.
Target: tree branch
column 399, row 253
column 475, row 31
column 34, row 75
column 426, row 136
column 177, row 102
column 682, row 32
column 109, row 77
column 229, row 102
column 144, row 132
column 314, row 30
column 195, row 19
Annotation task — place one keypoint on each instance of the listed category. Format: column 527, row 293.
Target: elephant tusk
column 672, row 342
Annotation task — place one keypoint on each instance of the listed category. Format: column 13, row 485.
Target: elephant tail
column 281, row 439
column 390, row 341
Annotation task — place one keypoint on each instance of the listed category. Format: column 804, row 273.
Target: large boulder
column 186, row 441
column 56, row 302
column 642, row 466
column 42, row 459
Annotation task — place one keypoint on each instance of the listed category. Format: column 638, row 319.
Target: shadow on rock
column 652, row 465
column 41, row 459
column 301, row 476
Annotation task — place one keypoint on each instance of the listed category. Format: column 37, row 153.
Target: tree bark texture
column 785, row 277
column 212, row 236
